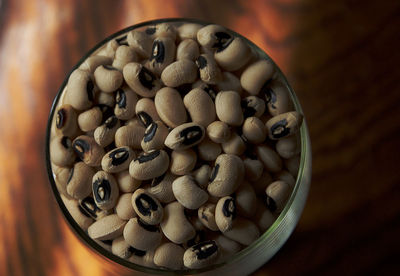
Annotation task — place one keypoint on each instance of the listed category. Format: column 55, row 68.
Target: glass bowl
column 247, row 260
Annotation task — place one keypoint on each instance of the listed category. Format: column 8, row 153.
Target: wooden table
column 342, row 58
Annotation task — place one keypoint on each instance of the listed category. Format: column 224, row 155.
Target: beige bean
column 257, row 75
column 175, row 225
column 253, row 169
column 213, row 37
column 227, row 174
column 185, row 136
column 103, row 98
column 246, row 200
column 183, row 161
column 143, row 258
column 179, row 72
column 125, row 103
column 188, row 193
column 227, row 248
column 154, row 136
column 206, row 215
column 124, row 208
column 228, row 108
column 234, row 145
column 277, row 98
column 140, row 42
column 105, row 190
column 263, row 217
column 126, row 182
column 201, row 254
column 146, row 111
column 149, row 165
column 61, row 175
column 88, row 150
column 162, row 54
column 141, row 236
column 106, row 244
column 130, row 136
column 284, row 175
column 162, row 30
column 208, row 88
column 161, row 187
column 293, row 164
column 218, row 132
column 108, row 78
column 105, row 133
column 81, row 218
column 66, row 121
column 200, row 106
column 284, row 125
column 208, row 150
column 123, row 55
column 225, row 213
column 107, row 228
column 202, row 175
column 79, row 183
column 278, row 193
column 121, row 248
column 141, row 79
column 92, row 62
column 253, row 106
column 234, row 55
column 270, row 159
column 260, row 184
column 209, row 70
column 254, row 130
column 169, row 255
column 109, row 50
column 61, row 151
column 170, row 107
column 80, row 90
column 288, row 147
column 90, row 119
column 188, row 31
column 147, row 207
column 187, row 49
column 229, row 82
column 117, row 160
column 243, row 231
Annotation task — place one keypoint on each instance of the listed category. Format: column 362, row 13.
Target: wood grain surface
column 342, row 58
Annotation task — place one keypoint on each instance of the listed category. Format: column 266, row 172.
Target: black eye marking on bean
column 122, row 40
column 61, row 118
column 136, row 252
column 280, row 129
column 150, row 228
column 81, row 147
column 191, row 135
column 150, row 30
column 111, row 122
column 118, row 156
column 210, row 92
column 199, row 237
column 71, row 174
column 205, row 249
column 229, row 208
column 66, row 142
column 148, row 157
column 107, row 111
column 203, row 216
column 101, row 190
column 120, row 98
column 109, row 67
column 150, row 132
column 108, row 242
column 223, row 41
column 201, row 62
column 158, row 180
column 214, row 173
column 158, row 51
column 152, row 205
column 89, row 90
column 271, row 204
column 248, row 111
column 270, row 97
column 146, row 78
column 83, row 211
column 145, row 118
column 89, row 206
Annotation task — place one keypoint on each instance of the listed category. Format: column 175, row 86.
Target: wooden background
column 342, row 57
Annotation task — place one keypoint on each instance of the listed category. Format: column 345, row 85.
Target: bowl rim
column 98, row 249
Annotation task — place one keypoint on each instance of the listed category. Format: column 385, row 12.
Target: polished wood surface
column 342, row 58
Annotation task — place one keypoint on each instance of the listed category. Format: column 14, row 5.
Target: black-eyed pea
column 117, row 160
column 126, row 183
column 105, row 190
column 234, row 145
column 130, row 135
column 188, row 192
column 61, row 175
column 123, row 55
column 125, row 103
column 234, row 55
column 253, row 106
column 90, row 119
column 89, row 206
column 201, row 254
column 108, row 78
column 107, row 228
column 109, row 50
column 229, row 82
column 170, row 107
column 209, row 70
column 254, row 130
column 179, row 72
column 206, row 214
column 106, row 244
column 208, row 150
column 183, row 161
column 61, row 151
column 277, row 98
column 162, row 55
column 80, row 90
column 188, row 31
column 162, row 30
column 253, row 169
column 79, row 216
column 208, row 88
column 141, row 80
column 214, row 37
column 104, row 134
column 141, row 235
column 202, row 175
column 88, row 150
column 161, row 187
column 149, row 165
column 243, row 231
column 121, row 248
column 226, row 176
column 261, row 183
column 175, row 226
column 218, row 132
column 200, row 106
column 66, row 121
column 284, row 125
column 270, row 159
column 225, row 213
column 227, row 248
column 288, row 147
column 103, row 98
column 228, row 108
column 246, row 200
column 140, row 42
column 154, row 136
column 124, row 208
column 79, row 183
column 256, row 76
column 263, row 217
column 146, row 111
column 92, row 62
column 187, row 49
column 185, row 136
column 286, row 176
column 278, row 193
column 147, row 207
column 143, row 258
column 293, row 164
column 169, row 255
